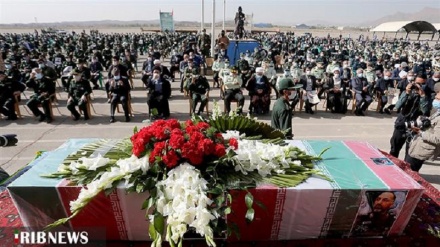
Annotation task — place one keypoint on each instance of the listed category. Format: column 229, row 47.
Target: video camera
column 422, row 122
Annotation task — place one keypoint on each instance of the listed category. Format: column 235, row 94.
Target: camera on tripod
column 422, row 122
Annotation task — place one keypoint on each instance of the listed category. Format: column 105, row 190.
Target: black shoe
column 86, row 117
column 96, row 87
column 76, row 117
column 387, row 111
column 112, row 119
column 311, row 112
column 42, row 118
column 381, row 111
column 361, row 113
column 49, row 120
column 127, row 119
column 12, row 117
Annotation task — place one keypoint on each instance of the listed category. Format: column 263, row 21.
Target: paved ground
column 35, row 136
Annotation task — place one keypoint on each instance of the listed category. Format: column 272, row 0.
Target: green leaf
column 250, row 215
column 159, row 223
column 227, row 210
column 229, row 198
column 150, row 183
column 152, row 232
column 135, row 130
column 249, row 200
column 140, row 188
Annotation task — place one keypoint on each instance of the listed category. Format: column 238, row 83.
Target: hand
column 364, row 89
column 415, row 129
column 84, row 98
column 408, row 87
column 385, row 92
column 69, row 99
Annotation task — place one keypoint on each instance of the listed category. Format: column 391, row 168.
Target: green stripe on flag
column 347, row 170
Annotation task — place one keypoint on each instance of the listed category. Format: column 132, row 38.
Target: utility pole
column 213, row 29
column 203, row 16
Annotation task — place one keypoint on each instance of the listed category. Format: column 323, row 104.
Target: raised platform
column 315, row 209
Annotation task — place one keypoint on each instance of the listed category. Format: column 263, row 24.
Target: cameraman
column 426, row 142
column 413, row 103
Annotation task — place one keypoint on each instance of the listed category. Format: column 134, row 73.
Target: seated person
column 159, row 91
column 381, row 87
column 335, row 87
column 232, row 84
column 309, row 90
column 96, row 70
column 361, row 88
column 78, row 92
column 199, row 92
column 119, row 89
column 9, row 89
column 259, row 90
column 44, row 88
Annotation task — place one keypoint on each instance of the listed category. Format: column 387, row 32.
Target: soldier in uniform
column 119, row 89
column 282, row 110
column 204, row 43
column 8, row 90
column 232, row 85
column 44, row 88
column 187, row 76
column 77, row 95
column 379, row 221
column 96, row 69
column 199, row 92
column 47, row 71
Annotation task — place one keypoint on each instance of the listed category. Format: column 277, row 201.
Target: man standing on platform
column 204, row 43
column 282, row 110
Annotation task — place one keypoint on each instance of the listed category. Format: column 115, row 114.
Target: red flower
column 196, row 159
column 173, row 124
column 189, row 123
column 138, row 147
column 203, row 126
column 207, row 146
column 196, row 137
column 233, row 143
column 170, row 159
column 157, row 151
column 219, row 150
column 176, row 140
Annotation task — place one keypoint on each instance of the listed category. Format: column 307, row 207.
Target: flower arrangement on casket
column 188, row 168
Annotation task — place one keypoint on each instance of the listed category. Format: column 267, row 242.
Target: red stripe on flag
column 264, row 225
column 100, row 213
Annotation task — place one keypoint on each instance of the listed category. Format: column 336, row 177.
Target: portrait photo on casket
column 377, row 212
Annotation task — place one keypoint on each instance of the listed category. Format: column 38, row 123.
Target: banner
column 166, row 21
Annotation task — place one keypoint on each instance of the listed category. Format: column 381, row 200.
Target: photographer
column 413, row 103
column 426, row 142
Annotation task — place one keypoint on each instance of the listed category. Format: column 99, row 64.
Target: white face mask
column 39, row 76
column 115, row 63
column 336, row 76
column 117, row 77
column 308, row 72
column 410, row 78
column 360, row 75
column 386, row 77
column 435, row 79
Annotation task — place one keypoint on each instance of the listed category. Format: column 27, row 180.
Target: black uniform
column 7, row 98
column 44, row 88
column 77, row 90
column 198, row 89
column 158, row 93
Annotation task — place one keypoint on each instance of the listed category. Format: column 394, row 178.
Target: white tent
column 409, row 26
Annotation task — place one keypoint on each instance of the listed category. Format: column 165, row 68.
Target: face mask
column 360, row 75
column 436, row 104
column 115, row 63
column 308, row 72
column 410, row 78
column 336, row 76
column 386, row 77
column 117, row 77
column 334, row 62
column 345, row 65
column 40, row 65
column 39, row 76
column 435, row 79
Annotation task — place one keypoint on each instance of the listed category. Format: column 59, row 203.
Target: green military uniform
column 77, row 90
column 187, row 77
column 204, row 43
column 44, row 88
column 198, row 90
column 282, row 110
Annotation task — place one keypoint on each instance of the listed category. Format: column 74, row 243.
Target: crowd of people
column 402, row 75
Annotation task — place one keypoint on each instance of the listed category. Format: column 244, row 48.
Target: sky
column 272, row 11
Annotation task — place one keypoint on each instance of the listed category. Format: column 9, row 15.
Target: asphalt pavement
column 37, row 136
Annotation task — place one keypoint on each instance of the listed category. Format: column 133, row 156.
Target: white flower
column 232, row 134
column 182, row 199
